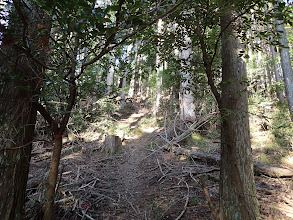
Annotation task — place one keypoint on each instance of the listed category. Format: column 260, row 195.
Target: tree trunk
column 237, row 186
column 133, row 82
column 286, row 63
column 110, row 75
column 123, row 87
column 187, row 106
column 276, row 71
column 16, row 144
column 19, row 90
column 112, row 145
column 53, row 175
column 149, row 79
column 136, row 74
column 124, row 82
column 159, row 70
column 269, row 77
column 278, row 77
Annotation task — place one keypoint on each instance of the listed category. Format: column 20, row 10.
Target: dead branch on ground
column 259, row 169
column 207, row 195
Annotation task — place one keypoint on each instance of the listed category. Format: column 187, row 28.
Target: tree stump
column 112, row 145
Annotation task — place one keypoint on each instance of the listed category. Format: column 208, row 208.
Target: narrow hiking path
column 138, row 183
column 143, row 189
column 134, row 169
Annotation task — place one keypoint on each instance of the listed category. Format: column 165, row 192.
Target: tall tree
column 237, row 187
column 187, row 106
column 159, row 69
column 285, row 56
column 277, row 73
column 20, row 80
column 134, row 78
column 110, row 75
column 125, row 75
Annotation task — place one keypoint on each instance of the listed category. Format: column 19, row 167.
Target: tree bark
column 133, row 82
column 159, row 70
column 237, row 185
column 278, row 77
column 112, row 144
column 19, row 90
column 187, row 106
column 53, row 175
column 136, row 75
column 15, row 152
column 110, row 75
column 124, row 82
column 286, row 63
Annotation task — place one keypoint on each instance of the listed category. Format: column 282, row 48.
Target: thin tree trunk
column 124, row 82
column 123, row 94
column 53, row 175
column 142, row 86
column 136, row 75
column 110, row 75
column 159, row 70
column 133, row 81
column 237, row 186
column 159, row 82
column 278, row 78
column 149, row 79
column 269, row 78
column 286, row 63
column 277, row 74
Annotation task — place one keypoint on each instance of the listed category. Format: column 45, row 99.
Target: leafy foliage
column 282, row 127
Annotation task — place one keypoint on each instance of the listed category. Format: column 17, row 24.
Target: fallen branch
column 259, row 169
column 195, row 154
column 208, row 198
column 185, row 133
column 186, row 203
column 36, row 181
column 275, row 172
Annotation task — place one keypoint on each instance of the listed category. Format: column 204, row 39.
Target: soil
column 140, row 183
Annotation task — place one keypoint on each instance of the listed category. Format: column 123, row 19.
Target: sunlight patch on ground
column 261, row 139
column 195, row 148
column 287, row 209
column 149, row 130
column 138, row 115
column 71, row 156
column 288, row 160
column 90, row 136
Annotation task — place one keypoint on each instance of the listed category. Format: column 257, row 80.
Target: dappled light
column 143, row 109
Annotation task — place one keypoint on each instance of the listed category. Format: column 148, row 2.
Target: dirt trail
column 132, row 170
column 137, row 185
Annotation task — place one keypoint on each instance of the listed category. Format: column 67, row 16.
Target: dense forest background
column 146, row 109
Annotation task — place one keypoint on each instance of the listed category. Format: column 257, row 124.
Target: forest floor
column 141, row 182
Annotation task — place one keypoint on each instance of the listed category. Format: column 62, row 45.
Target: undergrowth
column 282, row 127
column 271, row 131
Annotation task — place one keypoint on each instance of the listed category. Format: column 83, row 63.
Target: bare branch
column 206, row 192
column 46, row 115
column 208, row 67
column 24, row 21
